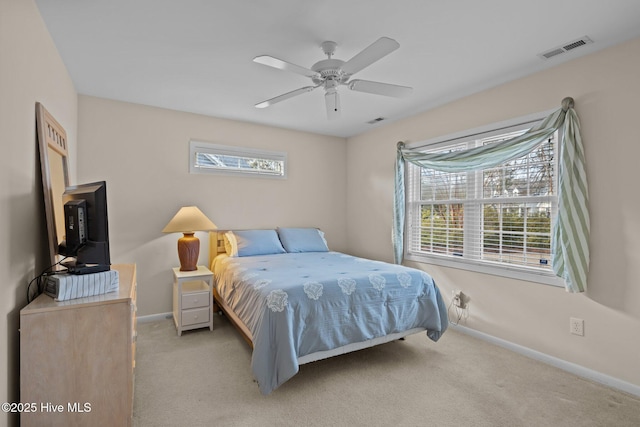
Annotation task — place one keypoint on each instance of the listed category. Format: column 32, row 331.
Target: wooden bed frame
column 216, row 247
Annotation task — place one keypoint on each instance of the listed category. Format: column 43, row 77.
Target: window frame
column 196, row 146
column 499, row 269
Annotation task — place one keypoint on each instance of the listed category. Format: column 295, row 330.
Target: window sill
column 513, row 273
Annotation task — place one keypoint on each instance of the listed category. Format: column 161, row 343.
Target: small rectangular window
column 205, row 157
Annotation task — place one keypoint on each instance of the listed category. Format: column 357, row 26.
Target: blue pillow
column 254, row 242
column 303, row 240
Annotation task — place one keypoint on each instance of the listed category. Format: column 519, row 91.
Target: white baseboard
column 154, row 317
column 581, row 371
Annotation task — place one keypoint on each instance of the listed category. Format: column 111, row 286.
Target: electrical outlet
column 460, row 299
column 456, row 298
column 576, row 326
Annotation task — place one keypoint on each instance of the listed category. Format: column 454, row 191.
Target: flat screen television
column 86, row 228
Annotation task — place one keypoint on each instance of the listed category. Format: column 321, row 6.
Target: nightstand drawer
column 199, row 315
column 195, row 300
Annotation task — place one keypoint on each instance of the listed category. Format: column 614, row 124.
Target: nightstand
column 192, row 299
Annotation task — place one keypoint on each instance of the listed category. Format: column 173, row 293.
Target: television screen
column 86, row 228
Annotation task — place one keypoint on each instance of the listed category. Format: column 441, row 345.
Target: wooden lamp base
column 188, row 252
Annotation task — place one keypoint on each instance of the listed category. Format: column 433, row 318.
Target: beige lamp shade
column 188, row 220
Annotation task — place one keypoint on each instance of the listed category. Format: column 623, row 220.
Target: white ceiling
column 196, row 55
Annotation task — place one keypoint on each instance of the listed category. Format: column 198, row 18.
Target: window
column 205, row 157
column 495, row 220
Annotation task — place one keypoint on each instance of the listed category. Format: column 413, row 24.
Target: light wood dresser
column 77, row 358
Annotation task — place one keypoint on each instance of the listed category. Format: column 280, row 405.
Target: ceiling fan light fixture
column 332, row 102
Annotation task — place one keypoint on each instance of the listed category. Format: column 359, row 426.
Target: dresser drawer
column 195, row 300
column 198, row 315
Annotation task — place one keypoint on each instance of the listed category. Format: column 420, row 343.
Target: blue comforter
column 296, row 304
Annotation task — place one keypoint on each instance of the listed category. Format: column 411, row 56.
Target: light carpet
column 203, row 378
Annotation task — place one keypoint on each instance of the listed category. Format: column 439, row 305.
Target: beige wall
column 30, row 71
column 605, row 86
column 143, row 154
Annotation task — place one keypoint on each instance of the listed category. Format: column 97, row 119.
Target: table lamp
column 188, row 220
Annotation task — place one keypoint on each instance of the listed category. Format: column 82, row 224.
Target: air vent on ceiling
column 565, row 47
column 376, row 120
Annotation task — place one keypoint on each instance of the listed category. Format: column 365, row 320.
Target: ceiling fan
column 330, row 73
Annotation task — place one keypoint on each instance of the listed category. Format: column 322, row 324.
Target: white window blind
column 495, row 220
column 206, row 157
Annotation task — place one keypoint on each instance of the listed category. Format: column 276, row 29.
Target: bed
column 295, row 301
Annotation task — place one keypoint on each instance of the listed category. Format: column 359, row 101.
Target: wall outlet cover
column 576, row 326
column 460, row 299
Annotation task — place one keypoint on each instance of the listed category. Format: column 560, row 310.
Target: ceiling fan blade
column 283, row 65
column 332, row 101
column 377, row 88
column 377, row 50
column 287, row 95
